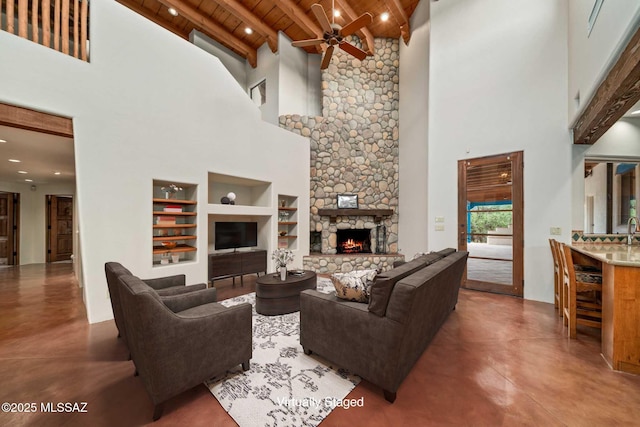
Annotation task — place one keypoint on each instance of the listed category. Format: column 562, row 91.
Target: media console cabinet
column 233, row 264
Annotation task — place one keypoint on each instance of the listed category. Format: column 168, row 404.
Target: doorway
column 491, row 223
column 59, row 228
column 9, row 228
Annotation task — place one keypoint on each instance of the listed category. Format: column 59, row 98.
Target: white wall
column 591, row 56
column 268, row 68
column 498, row 84
column 149, row 106
column 233, row 62
column 293, row 92
column 33, row 217
column 413, row 227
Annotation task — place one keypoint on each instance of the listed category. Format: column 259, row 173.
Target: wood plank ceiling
column 226, row 20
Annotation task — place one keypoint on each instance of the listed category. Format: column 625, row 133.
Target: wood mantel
column 334, row 213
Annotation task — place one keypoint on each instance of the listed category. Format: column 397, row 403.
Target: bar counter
column 620, row 301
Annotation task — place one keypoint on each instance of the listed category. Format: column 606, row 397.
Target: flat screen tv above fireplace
column 233, row 235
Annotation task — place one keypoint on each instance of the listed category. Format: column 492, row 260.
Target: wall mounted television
column 233, row 235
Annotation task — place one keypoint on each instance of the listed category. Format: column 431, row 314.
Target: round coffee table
column 275, row 296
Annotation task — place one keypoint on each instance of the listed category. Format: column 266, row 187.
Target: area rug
column 284, row 387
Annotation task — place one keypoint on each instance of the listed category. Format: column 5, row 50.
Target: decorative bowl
column 169, row 245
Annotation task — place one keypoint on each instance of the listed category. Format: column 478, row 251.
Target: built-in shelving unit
column 287, row 221
column 250, row 193
column 253, row 202
column 174, row 223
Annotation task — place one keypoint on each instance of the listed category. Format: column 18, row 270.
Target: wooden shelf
column 174, row 226
column 172, row 238
column 287, row 237
column 174, row 213
column 287, row 222
column 287, row 209
column 183, row 224
column 179, row 248
column 175, row 201
column 334, row 213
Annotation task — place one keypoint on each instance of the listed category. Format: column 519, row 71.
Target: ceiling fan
column 334, row 34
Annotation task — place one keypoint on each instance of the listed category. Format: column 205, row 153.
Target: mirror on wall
column 612, row 190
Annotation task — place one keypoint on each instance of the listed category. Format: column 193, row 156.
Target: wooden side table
column 275, row 296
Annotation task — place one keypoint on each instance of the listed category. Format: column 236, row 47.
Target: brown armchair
column 179, row 341
column 164, row 286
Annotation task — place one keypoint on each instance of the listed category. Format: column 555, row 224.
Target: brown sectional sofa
column 382, row 341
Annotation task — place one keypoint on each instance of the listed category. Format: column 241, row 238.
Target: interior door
column 8, row 254
column 490, row 218
column 59, row 228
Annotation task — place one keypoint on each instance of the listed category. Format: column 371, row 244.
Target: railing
column 58, row 24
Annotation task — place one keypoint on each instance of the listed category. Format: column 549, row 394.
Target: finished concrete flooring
column 497, row 361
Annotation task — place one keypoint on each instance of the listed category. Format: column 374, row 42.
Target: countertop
column 612, row 253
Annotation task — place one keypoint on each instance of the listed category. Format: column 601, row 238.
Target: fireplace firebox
column 353, row 241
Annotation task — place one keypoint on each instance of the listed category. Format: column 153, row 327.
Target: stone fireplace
column 354, row 150
column 353, row 241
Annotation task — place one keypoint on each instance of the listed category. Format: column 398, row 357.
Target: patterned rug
column 284, row 387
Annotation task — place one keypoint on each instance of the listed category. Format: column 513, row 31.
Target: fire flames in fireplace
column 351, row 246
column 353, row 241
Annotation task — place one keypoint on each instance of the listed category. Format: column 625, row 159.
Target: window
column 258, row 93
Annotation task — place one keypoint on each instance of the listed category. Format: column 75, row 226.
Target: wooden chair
column 557, row 276
column 581, row 295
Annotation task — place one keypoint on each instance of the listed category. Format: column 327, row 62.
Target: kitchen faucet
column 630, row 232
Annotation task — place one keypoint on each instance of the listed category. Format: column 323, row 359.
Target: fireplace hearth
column 353, row 241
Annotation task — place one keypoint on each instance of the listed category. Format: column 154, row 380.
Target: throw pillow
column 379, row 295
column 353, row 286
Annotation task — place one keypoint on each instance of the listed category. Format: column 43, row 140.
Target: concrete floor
column 497, row 361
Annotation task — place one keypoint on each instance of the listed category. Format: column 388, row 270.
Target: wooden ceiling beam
column 151, row 16
column 25, row 118
column 213, row 29
column 298, row 15
column 364, row 33
column 243, row 14
column 401, row 17
column 619, row 91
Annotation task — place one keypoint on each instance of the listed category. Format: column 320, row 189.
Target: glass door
column 490, row 214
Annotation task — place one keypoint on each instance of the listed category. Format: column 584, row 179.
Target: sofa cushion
column 202, row 310
column 384, row 282
column 379, row 295
column 446, row 252
column 430, row 258
column 353, row 286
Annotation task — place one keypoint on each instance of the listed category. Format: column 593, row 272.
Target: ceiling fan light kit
column 334, row 34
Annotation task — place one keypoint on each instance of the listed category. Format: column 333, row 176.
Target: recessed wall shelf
column 174, row 221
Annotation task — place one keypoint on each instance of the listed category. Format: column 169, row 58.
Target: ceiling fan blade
column 352, row 50
column 310, row 42
column 321, row 16
column 353, row 26
column 326, row 59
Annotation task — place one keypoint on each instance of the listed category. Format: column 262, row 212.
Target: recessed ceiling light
column 248, row 30
column 635, row 112
column 23, row 172
column 14, row 160
column 173, row 12
column 56, row 173
column 2, row 141
column 29, row 180
column 384, row 17
column 336, row 13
